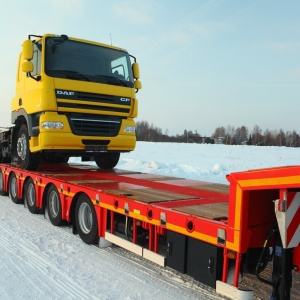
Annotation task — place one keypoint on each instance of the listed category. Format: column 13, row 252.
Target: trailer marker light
column 163, row 219
column 221, row 236
column 126, row 208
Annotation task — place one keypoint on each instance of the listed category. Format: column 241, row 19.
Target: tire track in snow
column 145, row 273
column 183, row 284
column 26, row 256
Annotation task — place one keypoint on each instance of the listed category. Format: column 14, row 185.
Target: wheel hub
column 85, row 218
column 31, row 195
column 22, row 146
column 1, row 182
column 53, row 204
column 13, row 187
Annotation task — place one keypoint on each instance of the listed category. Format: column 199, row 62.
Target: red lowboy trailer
column 201, row 229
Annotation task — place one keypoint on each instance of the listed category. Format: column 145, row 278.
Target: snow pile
column 205, row 162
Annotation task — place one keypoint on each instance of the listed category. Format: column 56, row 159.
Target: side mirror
column 136, row 70
column 27, row 50
column 27, row 66
column 137, row 84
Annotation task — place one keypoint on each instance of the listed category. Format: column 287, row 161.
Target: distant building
column 207, row 140
column 219, row 140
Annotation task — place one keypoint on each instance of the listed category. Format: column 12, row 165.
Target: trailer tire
column 54, row 206
column 27, row 159
column 1, row 156
column 13, row 188
column 107, row 160
column 86, row 220
column 30, row 196
column 2, row 192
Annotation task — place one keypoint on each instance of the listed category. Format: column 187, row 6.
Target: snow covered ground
column 39, row 260
column 205, row 162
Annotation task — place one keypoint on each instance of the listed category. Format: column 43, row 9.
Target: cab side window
column 37, row 57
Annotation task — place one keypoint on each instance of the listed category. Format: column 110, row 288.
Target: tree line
column 229, row 136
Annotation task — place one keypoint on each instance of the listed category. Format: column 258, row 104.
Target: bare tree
column 257, row 138
column 240, row 135
column 230, row 135
column 268, row 138
column 292, row 139
column 281, row 138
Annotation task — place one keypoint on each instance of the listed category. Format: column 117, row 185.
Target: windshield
column 83, row 61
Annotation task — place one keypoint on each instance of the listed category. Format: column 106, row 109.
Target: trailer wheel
column 30, row 196
column 86, row 220
column 13, row 188
column 27, row 159
column 2, row 192
column 1, row 156
column 107, row 160
column 54, row 206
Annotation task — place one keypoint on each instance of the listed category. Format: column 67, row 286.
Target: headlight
column 129, row 129
column 52, row 125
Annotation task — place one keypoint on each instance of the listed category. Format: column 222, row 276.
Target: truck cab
column 73, row 98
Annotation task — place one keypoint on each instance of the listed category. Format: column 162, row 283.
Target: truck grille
column 70, row 99
column 91, row 125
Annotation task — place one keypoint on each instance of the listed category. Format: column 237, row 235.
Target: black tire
column 86, row 220
column 1, row 156
column 107, row 160
column 27, row 159
column 2, row 192
column 54, row 206
column 13, row 188
column 30, row 196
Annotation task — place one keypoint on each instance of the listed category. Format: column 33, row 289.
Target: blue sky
column 203, row 63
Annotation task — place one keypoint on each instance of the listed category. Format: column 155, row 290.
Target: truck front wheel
column 107, row 160
column 27, row 159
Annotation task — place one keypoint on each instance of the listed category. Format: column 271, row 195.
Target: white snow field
column 40, row 261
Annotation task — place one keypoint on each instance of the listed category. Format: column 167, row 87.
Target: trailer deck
column 232, row 219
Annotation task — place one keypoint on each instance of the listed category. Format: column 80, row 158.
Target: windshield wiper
column 73, row 74
column 113, row 79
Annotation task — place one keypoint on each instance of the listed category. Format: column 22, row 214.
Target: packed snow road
column 40, row 261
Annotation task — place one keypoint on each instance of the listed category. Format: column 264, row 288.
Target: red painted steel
column 160, row 204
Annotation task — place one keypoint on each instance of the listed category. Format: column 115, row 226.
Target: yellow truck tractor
column 73, row 98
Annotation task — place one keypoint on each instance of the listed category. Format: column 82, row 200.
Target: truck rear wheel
column 54, row 206
column 30, row 196
column 27, row 159
column 86, row 220
column 107, row 160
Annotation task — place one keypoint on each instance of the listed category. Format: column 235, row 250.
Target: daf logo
column 125, row 99
column 66, row 93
